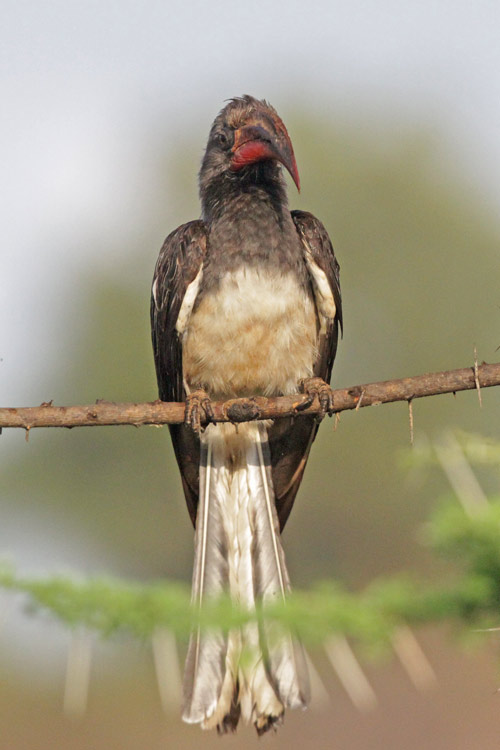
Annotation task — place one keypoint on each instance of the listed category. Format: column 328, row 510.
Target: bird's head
column 247, row 141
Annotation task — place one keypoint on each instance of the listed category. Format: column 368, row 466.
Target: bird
column 245, row 301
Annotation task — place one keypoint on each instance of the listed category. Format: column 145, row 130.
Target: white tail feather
column 238, row 550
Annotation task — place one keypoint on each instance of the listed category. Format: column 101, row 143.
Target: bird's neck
column 258, row 186
column 252, row 227
column 249, row 224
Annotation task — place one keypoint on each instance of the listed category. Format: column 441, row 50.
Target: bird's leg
column 316, row 387
column 198, row 406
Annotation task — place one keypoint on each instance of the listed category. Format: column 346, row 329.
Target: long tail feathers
column 260, row 670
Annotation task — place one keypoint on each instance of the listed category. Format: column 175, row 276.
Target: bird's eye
column 221, row 138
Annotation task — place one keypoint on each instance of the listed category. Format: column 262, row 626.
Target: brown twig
column 246, row 409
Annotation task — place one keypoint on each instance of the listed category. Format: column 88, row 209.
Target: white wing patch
column 323, row 294
column 154, row 290
column 188, row 303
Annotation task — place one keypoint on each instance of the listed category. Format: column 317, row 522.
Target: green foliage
column 473, row 542
column 470, row 598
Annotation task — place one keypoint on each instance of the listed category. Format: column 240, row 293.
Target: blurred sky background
column 394, row 111
column 87, row 85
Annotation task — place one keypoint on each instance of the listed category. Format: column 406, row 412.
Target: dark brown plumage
column 245, row 301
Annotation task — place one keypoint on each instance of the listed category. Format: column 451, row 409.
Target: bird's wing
column 324, row 272
column 176, row 281
column 291, row 440
column 177, row 270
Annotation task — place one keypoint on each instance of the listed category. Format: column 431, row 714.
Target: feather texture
column 239, row 551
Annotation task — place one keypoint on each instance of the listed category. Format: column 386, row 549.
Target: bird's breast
column 254, row 333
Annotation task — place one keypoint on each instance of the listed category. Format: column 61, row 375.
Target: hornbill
column 245, row 301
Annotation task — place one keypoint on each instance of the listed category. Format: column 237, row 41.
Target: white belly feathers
column 257, row 333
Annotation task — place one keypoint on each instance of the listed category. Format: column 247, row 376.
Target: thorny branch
column 258, row 407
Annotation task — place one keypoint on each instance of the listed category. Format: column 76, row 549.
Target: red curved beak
column 256, row 142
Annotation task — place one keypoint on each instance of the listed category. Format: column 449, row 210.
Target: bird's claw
column 316, row 388
column 198, row 409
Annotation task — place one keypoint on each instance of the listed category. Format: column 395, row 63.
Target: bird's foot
column 198, row 408
column 316, row 388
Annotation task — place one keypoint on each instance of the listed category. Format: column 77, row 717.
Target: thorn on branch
column 410, row 417
column 476, row 378
column 76, row 688
column 350, row 673
column 413, row 659
column 320, row 698
column 460, row 475
column 168, row 672
column 355, row 392
column 257, row 407
column 358, row 405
